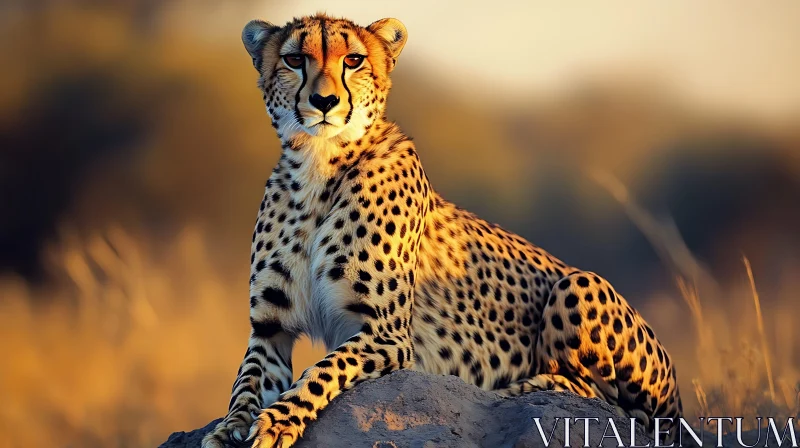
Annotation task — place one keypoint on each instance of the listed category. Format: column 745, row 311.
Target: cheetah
column 353, row 247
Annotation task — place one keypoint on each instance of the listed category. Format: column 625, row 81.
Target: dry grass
column 128, row 349
column 739, row 381
column 760, row 322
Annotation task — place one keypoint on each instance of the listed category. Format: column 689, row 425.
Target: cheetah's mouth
column 326, row 127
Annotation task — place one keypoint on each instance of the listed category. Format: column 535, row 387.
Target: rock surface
column 415, row 410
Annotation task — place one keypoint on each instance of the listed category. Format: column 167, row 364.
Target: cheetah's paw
column 228, row 432
column 272, row 430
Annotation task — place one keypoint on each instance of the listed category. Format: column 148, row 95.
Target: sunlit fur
column 353, row 247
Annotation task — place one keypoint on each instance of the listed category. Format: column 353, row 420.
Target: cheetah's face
column 324, row 77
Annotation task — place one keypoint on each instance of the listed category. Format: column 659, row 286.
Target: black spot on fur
column 266, row 328
column 315, row 388
column 571, row 301
column 624, row 373
column 557, row 322
column 589, row 358
column 574, row 342
column 617, row 326
column 278, row 267
column 362, row 308
column 336, row 273
column 276, row 297
column 611, row 342
column 595, row 334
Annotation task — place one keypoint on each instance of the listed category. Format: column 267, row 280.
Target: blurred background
column 657, row 144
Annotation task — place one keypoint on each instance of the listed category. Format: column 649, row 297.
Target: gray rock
column 414, row 410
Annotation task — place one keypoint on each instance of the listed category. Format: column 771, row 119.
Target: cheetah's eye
column 294, row 60
column 353, row 60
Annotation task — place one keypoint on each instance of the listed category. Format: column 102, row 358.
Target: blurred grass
column 109, row 115
column 130, row 349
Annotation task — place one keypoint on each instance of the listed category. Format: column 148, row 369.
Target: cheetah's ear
column 254, row 36
column 393, row 34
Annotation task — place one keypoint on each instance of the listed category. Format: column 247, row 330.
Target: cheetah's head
column 322, row 76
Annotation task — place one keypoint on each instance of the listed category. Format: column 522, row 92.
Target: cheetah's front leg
column 364, row 265
column 265, row 372
column 364, row 356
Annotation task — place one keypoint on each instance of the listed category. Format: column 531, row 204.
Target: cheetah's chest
column 292, row 224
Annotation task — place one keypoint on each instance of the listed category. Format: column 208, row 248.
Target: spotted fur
column 353, row 247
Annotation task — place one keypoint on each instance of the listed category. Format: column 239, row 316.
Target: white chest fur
column 290, row 230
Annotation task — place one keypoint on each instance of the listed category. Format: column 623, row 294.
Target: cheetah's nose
column 324, row 103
